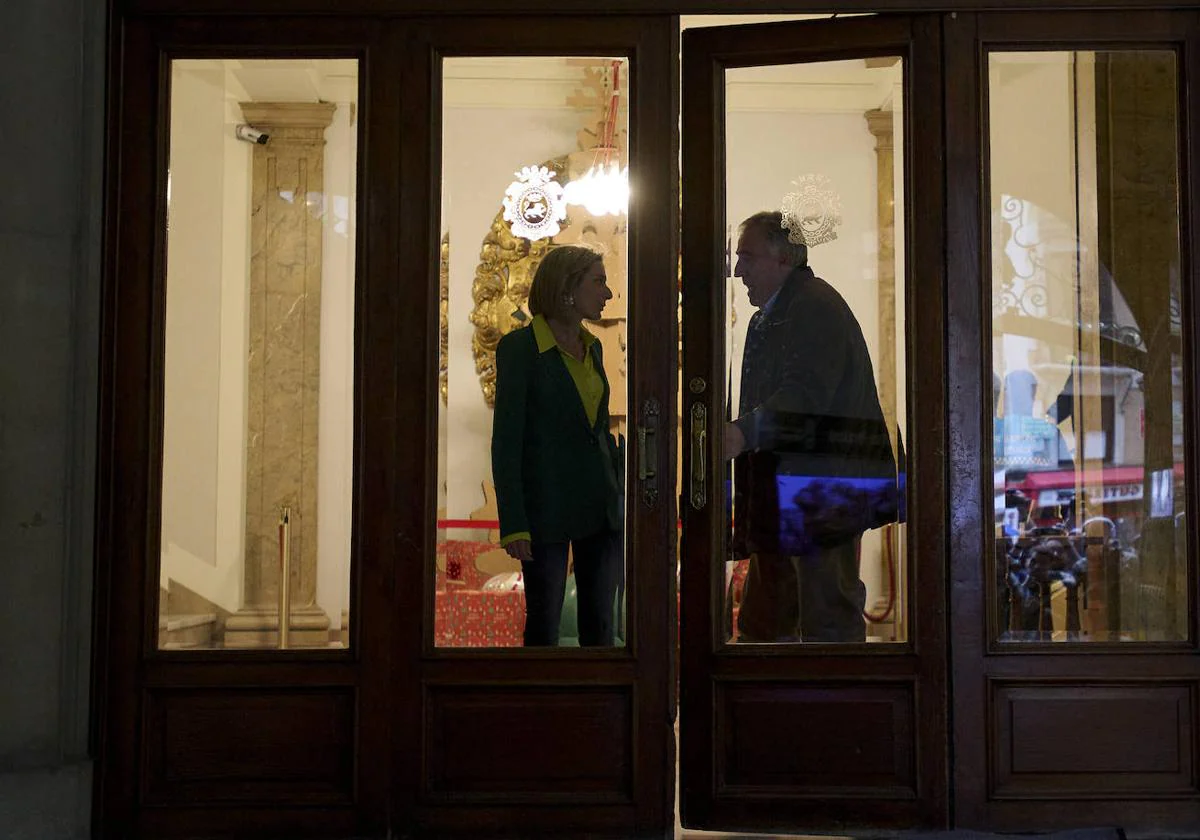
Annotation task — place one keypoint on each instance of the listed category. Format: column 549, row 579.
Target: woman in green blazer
column 554, row 462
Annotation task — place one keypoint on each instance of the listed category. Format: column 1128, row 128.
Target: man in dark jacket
column 814, row 465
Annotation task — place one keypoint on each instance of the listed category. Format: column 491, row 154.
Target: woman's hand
column 520, row 550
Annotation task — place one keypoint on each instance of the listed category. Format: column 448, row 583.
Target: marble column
column 287, row 200
column 879, row 123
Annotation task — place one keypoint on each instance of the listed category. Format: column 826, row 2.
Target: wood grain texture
column 1098, row 741
column 270, row 748
column 817, row 740
column 535, row 745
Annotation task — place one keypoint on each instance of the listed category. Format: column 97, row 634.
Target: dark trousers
column 815, row 597
column 597, row 573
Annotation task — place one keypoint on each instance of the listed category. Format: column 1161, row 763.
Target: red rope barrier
column 483, row 524
column 891, row 567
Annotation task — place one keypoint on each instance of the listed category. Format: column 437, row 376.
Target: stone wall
column 51, row 119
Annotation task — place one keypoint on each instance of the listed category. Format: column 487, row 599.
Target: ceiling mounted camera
column 252, row 135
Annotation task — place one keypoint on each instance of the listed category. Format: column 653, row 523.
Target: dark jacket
column 556, row 475
column 810, row 411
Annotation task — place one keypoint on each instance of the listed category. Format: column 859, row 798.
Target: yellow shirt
column 587, row 379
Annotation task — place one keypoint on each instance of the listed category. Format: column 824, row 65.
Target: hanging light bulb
column 602, row 191
column 604, row 188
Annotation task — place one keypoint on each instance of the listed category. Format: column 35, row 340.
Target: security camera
column 252, row 135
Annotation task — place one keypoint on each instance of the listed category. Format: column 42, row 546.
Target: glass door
column 537, row 233
column 813, row 642
column 1076, row 583
column 311, row 621
column 242, row 630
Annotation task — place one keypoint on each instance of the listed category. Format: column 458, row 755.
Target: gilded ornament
column 444, row 319
column 507, row 262
column 501, row 290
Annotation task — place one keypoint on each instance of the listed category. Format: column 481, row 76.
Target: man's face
column 762, row 271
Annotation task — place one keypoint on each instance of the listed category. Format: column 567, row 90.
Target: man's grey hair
column 770, row 224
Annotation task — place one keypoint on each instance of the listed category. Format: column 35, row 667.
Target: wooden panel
column 761, row 746
column 168, row 753
column 842, row 740
column 558, row 7
column 231, row 745
column 536, row 744
column 251, row 820
column 1096, row 741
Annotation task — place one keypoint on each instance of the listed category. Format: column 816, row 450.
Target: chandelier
column 604, row 189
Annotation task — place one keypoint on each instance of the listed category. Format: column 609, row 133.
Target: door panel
column 490, row 254
column 1075, row 688
column 259, row 343
column 507, row 735
column 829, row 441
column 1088, row 453
column 1078, row 680
column 211, row 739
column 807, row 733
column 222, row 741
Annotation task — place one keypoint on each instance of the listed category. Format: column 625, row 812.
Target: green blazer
column 556, row 474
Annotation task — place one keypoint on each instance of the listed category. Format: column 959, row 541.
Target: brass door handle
column 699, row 492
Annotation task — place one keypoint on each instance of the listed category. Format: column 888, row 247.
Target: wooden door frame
column 453, row 680
column 914, row 672
column 383, row 690
column 136, row 685
column 554, row 8
column 130, row 365
column 990, row 677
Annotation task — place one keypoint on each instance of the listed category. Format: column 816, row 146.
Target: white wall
column 483, row 147
column 766, row 150
column 193, row 318
column 208, row 270
column 335, row 446
column 237, row 163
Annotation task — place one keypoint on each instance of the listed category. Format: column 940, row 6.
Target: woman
column 554, row 463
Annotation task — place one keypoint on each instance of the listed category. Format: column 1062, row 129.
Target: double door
column 986, row 197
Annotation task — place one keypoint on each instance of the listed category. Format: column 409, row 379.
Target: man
column 814, row 466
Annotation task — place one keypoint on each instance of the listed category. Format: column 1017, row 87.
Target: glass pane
column 1087, row 347
column 258, row 433
column 816, row 349
column 532, row 418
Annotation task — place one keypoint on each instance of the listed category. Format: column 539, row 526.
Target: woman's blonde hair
column 559, row 275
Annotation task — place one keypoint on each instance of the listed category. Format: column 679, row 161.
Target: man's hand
column 735, row 441
column 520, row 550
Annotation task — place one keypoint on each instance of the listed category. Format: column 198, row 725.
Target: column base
column 251, row 628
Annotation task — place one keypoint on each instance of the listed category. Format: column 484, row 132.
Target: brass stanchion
column 285, row 574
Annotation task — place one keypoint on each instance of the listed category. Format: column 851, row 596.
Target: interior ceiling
column 283, row 80
column 546, row 82
column 695, row 21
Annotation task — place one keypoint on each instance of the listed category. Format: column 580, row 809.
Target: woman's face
column 592, row 292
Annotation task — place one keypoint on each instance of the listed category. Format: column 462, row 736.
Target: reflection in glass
column 1087, row 348
column 258, row 402
column 815, row 394
column 533, row 158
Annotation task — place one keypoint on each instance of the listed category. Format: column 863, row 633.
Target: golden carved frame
column 501, row 289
